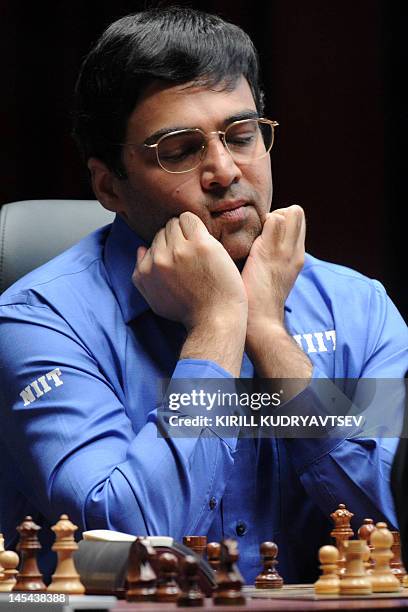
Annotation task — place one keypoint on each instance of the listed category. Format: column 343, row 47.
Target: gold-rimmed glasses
column 246, row 140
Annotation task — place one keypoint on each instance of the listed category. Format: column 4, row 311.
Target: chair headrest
column 34, row 231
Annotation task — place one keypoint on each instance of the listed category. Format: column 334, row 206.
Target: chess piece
column 364, row 533
column 329, row 581
column 191, row 596
column 66, row 578
column 214, row 555
column 29, row 577
column 342, row 532
column 167, row 587
column 228, row 578
column 355, row 581
column 1, row 551
column 382, row 578
column 405, row 581
column 396, row 564
column 197, row 543
column 9, row 561
column 269, row 577
column 141, row 578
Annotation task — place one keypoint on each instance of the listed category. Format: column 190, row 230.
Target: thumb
column 141, row 252
column 191, row 225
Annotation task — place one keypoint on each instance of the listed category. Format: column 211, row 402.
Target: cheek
column 185, row 195
column 261, row 180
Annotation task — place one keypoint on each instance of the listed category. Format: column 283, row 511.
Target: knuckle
column 160, row 261
column 179, row 252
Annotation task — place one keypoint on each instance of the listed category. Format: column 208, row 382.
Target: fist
column 274, row 262
column 187, row 275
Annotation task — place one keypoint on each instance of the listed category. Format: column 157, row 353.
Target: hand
column 187, row 275
column 273, row 264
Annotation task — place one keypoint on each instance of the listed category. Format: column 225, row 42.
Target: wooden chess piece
column 214, row 555
column 382, row 578
column 405, row 581
column 141, row 578
column 269, row 577
column 355, row 581
column 191, row 596
column 29, row 577
column 228, row 578
column 342, row 532
column 197, row 543
column 1, row 551
column 329, row 581
column 167, row 587
column 397, row 567
column 66, row 578
column 9, row 560
column 364, row 533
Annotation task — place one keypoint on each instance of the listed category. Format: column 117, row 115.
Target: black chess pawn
column 141, row 578
column 191, row 596
column 229, row 580
column 198, row 544
column 29, row 577
column 167, row 587
column 269, row 577
column 213, row 555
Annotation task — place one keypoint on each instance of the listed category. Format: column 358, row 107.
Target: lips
column 228, row 206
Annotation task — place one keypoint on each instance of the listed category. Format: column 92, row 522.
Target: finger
column 275, row 228
column 159, row 242
column 192, row 226
column 173, row 231
column 294, row 216
column 143, row 260
column 302, row 233
column 141, row 252
column 143, row 266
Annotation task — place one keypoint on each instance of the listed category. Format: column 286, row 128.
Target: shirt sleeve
column 355, row 470
column 66, row 430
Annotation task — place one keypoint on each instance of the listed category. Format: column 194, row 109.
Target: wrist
column 264, row 328
column 220, row 339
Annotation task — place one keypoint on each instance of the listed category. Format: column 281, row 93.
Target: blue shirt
column 80, row 357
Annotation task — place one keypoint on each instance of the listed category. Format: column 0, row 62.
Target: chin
column 237, row 250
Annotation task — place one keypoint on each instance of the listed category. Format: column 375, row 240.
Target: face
column 231, row 199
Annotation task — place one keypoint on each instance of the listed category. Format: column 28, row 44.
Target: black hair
column 175, row 44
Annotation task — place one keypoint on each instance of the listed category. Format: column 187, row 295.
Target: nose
column 218, row 168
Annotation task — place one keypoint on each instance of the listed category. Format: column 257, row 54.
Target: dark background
column 334, row 76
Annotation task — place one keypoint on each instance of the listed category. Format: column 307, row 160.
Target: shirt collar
column 120, row 259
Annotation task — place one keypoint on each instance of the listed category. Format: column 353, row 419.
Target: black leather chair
column 34, row 231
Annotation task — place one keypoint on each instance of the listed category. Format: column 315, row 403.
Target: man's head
column 162, row 69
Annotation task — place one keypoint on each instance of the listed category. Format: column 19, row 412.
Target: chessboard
column 118, row 572
column 293, row 598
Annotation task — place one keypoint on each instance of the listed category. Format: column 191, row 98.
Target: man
column 195, row 279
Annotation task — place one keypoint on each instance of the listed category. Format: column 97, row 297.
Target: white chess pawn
column 382, row 578
column 355, row 581
column 9, row 560
column 329, row 581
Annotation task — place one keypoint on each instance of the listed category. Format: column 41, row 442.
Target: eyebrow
column 245, row 114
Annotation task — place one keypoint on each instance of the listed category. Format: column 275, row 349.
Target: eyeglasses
column 246, row 141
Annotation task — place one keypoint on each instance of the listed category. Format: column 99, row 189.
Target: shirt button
column 241, row 528
column 213, row 503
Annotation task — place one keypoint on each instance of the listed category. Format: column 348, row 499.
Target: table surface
column 284, row 600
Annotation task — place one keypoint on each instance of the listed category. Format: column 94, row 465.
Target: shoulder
column 339, row 284
column 331, row 273
column 73, row 273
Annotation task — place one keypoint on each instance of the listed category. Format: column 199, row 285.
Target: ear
column 104, row 184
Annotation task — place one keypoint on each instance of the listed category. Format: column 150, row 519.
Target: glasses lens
column 181, row 152
column 249, row 140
